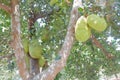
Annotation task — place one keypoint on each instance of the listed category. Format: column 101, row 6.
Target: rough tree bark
column 17, row 46
column 51, row 72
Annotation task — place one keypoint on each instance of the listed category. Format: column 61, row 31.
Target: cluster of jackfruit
column 84, row 25
column 34, row 49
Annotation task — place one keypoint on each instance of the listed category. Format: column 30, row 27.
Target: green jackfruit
column 82, row 31
column 25, row 43
column 96, row 22
column 41, row 61
column 35, row 49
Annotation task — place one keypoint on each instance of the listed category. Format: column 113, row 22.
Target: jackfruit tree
column 59, row 39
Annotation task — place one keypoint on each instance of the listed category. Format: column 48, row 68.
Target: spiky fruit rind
column 41, row 61
column 25, row 43
column 35, row 49
column 82, row 31
column 96, row 22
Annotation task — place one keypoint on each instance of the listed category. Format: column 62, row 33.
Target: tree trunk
column 18, row 48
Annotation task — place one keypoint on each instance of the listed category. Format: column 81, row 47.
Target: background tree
column 47, row 21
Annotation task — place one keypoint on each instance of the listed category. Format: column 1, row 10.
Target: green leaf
column 80, row 9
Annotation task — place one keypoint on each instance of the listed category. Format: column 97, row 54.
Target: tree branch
column 16, row 40
column 58, row 65
column 6, row 8
column 99, row 45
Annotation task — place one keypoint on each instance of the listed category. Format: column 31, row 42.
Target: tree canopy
column 51, row 23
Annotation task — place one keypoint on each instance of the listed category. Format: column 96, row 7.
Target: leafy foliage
column 86, row 60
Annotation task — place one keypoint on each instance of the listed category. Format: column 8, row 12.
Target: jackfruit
column 35, row 49
column 96, row 22
column 25, row 43
column 41, row 61
column 82, row 31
